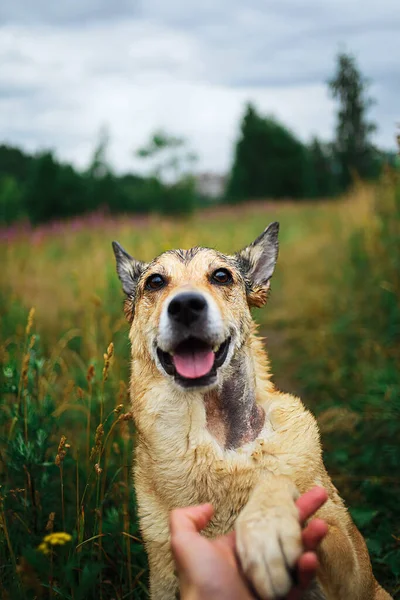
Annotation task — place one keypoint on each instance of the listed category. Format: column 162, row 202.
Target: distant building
column 210, row 185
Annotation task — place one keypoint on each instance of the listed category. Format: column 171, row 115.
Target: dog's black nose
column 187, row 307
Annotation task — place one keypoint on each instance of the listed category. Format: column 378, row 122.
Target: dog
column 211, row 426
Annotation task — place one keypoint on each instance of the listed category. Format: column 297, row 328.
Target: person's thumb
column 190, row 520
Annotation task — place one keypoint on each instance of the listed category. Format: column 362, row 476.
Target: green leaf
column 362, row 516
column 374, row 546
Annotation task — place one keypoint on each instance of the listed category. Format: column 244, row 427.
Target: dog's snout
column 187, row 307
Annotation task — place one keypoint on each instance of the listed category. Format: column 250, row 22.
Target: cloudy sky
column 67, row 68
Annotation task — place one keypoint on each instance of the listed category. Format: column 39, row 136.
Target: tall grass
column 350, row 371
column 66, row 435
column 65, row 462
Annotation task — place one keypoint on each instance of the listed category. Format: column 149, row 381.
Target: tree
column 99, row 166
column 11, row 200
column 324, row 167
column 14, row 163
column 353, row 144
column 54, row 190
column 102, row 185
column 169, row 154
column 171, row 187
column 269, row 161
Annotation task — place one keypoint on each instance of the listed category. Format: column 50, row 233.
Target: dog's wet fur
column 211, row 427
column 233, row 416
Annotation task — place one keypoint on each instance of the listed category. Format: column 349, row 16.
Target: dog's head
column 190, row 309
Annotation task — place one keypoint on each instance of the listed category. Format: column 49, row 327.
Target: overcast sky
column 67, row 68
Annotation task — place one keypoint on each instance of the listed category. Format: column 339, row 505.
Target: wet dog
column 212, row 427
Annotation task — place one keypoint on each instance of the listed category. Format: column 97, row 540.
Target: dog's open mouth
column 194, row 362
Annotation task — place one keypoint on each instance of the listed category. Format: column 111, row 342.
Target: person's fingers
column 307, row 568
column 314, row 533
column 190, row 520
column 227, row 541
column 310, row 502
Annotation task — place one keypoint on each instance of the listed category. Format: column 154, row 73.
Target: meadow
column 332, row 330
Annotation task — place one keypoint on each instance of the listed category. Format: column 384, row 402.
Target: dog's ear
column 257, row 263
column 128, row 269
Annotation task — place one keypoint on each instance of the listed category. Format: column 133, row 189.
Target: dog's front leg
column 268, row 536
column 345, row 568
column 163, row 581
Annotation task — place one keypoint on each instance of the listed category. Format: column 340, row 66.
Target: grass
column 332, row 329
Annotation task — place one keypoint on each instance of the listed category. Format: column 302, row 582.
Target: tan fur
column 181, row 457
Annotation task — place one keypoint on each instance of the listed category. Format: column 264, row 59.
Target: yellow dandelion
column 43, row 548
column 58, row 538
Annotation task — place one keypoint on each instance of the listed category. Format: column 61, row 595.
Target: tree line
column 269, row 162
column 42, row 188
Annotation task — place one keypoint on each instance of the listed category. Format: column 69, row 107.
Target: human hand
column 208, row 569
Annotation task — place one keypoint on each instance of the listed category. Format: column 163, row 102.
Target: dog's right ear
column 128, row 269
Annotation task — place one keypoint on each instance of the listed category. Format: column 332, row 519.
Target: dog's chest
column 196, row 469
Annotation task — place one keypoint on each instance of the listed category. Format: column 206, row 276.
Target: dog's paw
column 268, row 547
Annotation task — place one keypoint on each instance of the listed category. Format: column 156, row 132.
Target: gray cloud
column 68, row 68
column 65, row 13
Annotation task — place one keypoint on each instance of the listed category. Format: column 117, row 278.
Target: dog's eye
column 221, row 276
column 155, row 282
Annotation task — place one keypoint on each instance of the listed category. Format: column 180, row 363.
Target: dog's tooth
column 216, row 348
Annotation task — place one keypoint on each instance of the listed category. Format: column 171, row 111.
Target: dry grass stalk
column 90, row 374
column 50, row 522
column 61, row 453
column 89, row 378
column 23, row 381
column 29, row 322
column 122, row 392
column 24, row 370
column 69, row 388
column 107, row 360
column 24, row 376
column 96, row 450
column 3, row 526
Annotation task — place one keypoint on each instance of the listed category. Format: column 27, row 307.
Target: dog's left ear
column 257, row 263
column 128, row 269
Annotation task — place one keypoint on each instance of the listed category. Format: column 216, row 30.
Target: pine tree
column 353, row 145
column 269, row 162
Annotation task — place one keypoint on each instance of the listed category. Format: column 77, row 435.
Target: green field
column 332, row 328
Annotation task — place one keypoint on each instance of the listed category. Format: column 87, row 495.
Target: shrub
column 11, row 201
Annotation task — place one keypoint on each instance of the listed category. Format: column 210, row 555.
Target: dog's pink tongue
column 193, row 364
